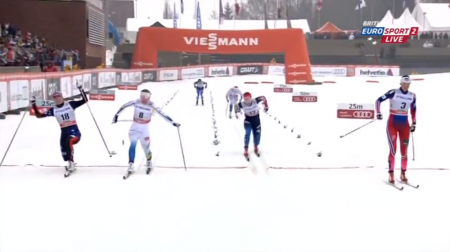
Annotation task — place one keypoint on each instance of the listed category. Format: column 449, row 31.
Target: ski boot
column 391, row 177
column 130, row 167
column 203, row 104
column 229, row 115
column 237, row 116
column 196, row 104
column 246, row 153
column 70, row 166
column 149, row 164
column 257, row 151
column 403, row 177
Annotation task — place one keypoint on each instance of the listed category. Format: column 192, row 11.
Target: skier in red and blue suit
column 401, row 101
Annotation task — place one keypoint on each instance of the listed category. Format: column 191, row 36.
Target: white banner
column 86, row 82
column 66, row 86
column 3, row 96
column 329, row 71
column 220, row 71
column 168, row 75
column 276, row 70
column 335, row 71
column 37, row 88
column 192, row 73
column 19, row 93
column 377, row 71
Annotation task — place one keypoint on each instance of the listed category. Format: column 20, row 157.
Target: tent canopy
column 432, row 16
column 387, row 20
column 407, row 20
column 404, row 21
column 328, row 28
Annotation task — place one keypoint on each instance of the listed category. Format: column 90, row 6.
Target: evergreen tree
column 228, row 11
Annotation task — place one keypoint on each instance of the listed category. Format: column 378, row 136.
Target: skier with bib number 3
column 252, row 122
column 401, row 101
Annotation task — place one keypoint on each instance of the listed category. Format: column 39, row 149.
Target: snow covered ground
column 224, row 203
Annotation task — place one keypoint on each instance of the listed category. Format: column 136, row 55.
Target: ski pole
column 14, row 136
column 182, row 150
column 360, row 127
column 414, row 152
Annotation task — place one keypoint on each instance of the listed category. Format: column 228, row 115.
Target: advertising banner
column 377, row 71
column 276, row 70
column 37, row 88
column 3, row 96
column 52, row 85
column 214, row 71
column 94, row 81
column 19, row 93
column 149, row 76
column 329, row 71
column 192, row 73
column 168, row 75
column 245, row 70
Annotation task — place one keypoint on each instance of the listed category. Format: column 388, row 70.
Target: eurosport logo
column 363, row 114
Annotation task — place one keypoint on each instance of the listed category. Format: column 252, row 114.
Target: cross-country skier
column 142, row 116
column 401, row 100
column 200, row 86
column 64, row 113
column 234, row 96
column 252, row 122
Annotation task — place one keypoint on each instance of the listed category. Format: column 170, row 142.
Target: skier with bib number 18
column 252, row 122
column 401, row 101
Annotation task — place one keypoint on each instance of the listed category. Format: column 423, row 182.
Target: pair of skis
column 129, row 173
column 68, row 172
column 399, row 185
column 247, row 156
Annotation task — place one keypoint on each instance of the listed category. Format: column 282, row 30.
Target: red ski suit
column 398, row 125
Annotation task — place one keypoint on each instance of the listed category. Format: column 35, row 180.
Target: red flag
column 319, row 5
column 278, row 9
column 237, row 8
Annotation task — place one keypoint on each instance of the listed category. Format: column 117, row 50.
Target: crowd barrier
column 17, row 88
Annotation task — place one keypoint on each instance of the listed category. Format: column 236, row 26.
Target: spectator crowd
column 18, row 48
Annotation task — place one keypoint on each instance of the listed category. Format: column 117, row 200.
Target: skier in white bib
column 234, row 96
column 143, row 111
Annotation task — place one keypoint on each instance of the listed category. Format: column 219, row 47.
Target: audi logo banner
column 363, row 114
column 355, row 114
column 304, row 98
column 335, row 71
